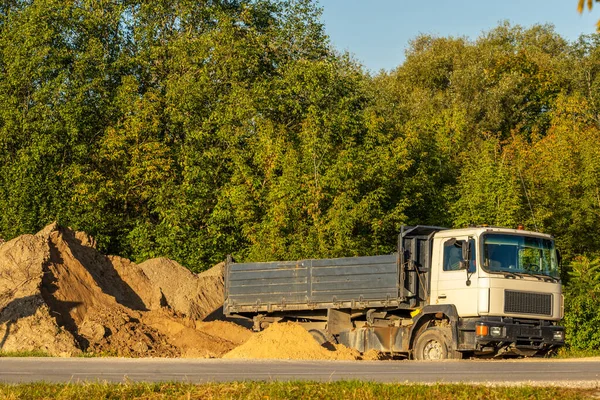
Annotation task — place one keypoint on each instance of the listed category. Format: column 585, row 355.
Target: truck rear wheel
column 434, row 344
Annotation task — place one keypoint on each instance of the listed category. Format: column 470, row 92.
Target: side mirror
column 466, row 251
column 466, row 259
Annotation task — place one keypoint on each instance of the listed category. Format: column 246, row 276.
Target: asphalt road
column 16, row 370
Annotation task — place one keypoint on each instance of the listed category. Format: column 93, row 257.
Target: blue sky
column 377, row 32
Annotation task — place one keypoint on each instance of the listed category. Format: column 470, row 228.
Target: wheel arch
column 431, row 314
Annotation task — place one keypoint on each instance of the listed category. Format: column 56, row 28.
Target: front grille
column 527, row 303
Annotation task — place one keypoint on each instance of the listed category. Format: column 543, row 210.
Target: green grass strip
column 575, row 353
column 25, row 353
column 285, row 390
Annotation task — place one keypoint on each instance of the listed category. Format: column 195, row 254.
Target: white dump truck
column 446, row 293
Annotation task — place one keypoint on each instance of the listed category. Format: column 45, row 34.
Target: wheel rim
column 433, row 350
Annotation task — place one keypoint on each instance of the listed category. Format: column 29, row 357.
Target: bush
column 582, row 302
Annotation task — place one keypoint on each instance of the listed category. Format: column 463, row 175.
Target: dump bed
column 355, row 282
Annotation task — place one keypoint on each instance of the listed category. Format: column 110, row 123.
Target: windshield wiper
column 508, row 274
column 546, row 278
column 542, row 277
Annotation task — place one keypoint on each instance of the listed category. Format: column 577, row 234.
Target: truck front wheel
column 434, row 344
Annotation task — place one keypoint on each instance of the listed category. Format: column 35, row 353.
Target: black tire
column 435, row 344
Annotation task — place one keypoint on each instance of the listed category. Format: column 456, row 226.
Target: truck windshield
column 519, row 255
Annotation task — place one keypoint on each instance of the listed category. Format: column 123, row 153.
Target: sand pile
column 59, row 294
column 193, row 295
column 289, row 341
column 196, row 338
column 26, row 322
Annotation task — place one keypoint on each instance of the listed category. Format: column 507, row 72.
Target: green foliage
column 582, row 322
column 196, row 130
column 569, row 352
column 489, row 187
column 562, row 174
column 582, row 301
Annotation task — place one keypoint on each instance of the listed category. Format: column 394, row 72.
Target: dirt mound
column 226, row 330
column 289, row 341
column 374, row 355
column 91, row 271
column 26, row 322
column 194, row 338
column 195, row 296
column 21, row 262
column 37, row 332
column 59, row 294
column 148, row 293
column 91, row 301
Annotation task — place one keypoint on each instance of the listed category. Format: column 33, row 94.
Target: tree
column 490, row 187
column 590, row 3
column 57, row 81
column 562, row 170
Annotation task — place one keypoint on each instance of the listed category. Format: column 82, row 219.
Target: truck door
column 449, row 282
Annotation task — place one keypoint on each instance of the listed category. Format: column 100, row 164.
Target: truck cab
column 507, row 292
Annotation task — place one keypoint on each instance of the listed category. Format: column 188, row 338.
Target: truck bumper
column 518, row 335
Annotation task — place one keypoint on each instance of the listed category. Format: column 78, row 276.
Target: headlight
column 558, row 335
column 496, row 331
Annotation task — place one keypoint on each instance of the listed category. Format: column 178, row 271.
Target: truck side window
column 453, row 256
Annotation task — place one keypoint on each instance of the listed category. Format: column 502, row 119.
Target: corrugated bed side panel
column 268, row 282
column 355, row 278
